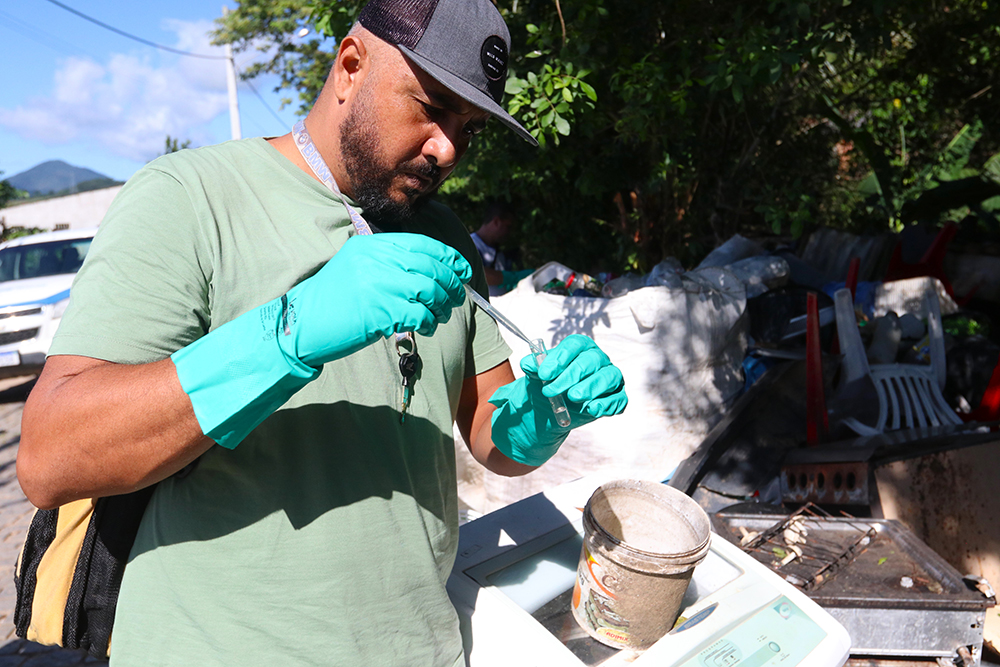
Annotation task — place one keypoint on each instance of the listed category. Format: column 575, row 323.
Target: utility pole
column 234, row 101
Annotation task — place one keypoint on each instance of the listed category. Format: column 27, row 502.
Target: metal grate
column 805, row 560
column 20, row 313
column 17, row 336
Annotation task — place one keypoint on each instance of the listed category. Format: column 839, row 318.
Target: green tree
column 7, row 192
column 272, row 28
column 172, row 145
column 667, row 127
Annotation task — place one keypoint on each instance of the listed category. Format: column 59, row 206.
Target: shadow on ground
column 16, row 390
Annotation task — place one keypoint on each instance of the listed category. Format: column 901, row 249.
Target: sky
column 74, row 91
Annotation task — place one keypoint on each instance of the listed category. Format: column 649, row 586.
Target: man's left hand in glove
column 524, row 426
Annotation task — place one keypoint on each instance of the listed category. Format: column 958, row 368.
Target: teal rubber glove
column 374, row 287
column 524, row 426
column 510, row 279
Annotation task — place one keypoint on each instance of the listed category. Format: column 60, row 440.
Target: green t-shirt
column 326, row 537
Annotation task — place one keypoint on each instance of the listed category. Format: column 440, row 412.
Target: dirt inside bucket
column 644, row 522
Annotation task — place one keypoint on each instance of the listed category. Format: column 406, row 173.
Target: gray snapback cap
column 463, row 44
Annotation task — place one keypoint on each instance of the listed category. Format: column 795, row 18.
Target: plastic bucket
column 642, row 541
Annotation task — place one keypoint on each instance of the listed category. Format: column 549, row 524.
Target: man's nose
column 443, row 147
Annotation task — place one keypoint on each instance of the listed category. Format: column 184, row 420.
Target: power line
column 133, row 37
column 264, row 102
column 25, row 29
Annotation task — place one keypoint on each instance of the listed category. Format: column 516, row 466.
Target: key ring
column 406, row 343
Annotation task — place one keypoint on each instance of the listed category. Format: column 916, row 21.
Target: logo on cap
column 494, row 58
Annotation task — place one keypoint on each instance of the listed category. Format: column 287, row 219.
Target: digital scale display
column 755, row 643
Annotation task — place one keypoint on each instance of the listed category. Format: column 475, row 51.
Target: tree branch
column 562, row 22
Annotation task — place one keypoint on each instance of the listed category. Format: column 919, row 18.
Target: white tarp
column 680, row 350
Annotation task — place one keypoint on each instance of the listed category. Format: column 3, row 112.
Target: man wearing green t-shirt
column 237, row 319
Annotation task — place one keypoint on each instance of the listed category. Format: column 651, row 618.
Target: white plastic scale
column 515, row 572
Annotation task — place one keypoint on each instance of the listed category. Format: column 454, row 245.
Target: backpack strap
column 90, row 607
column 41, row 533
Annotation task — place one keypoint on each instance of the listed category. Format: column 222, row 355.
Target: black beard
column 371, row 180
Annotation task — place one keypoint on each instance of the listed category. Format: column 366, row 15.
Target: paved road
column 15, row 516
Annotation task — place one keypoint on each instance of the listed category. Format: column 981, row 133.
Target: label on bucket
column 594, row 603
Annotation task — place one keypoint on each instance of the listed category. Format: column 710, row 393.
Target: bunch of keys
column 409, row 363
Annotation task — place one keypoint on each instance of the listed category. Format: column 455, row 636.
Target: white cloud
column 128, row 105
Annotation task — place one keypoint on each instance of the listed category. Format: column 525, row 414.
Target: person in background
column 498, row 222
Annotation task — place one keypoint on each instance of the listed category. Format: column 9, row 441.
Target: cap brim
column 468, row 92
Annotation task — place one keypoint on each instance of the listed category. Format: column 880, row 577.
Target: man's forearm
column 484, row 451
column 93, row 428
column 473, row 420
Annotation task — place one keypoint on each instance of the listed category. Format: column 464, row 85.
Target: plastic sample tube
column 537, row 348
column 558, row 404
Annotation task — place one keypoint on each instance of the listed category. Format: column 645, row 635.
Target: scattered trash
column 748, row 536
column 863, row 567
column 758, row 271
column 733, row 250
column 574, row 285
column 863, row 571
column 885, row 340
column 667, row 273
column 794, row 552
column 622, row 285
column 760, row 274
column 973, row 380
column 912, row 327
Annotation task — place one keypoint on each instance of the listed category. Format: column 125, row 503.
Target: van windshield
column 42, row 259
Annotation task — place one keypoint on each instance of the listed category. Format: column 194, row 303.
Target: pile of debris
column 855, row 376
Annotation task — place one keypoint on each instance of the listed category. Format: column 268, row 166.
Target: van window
column 42, row 259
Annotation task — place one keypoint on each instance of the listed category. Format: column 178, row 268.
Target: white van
column 35, row 276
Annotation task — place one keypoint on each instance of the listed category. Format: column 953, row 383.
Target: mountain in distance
column 56, row 176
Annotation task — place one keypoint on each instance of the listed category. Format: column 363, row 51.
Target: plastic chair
column 909, row 394
column 931, row 264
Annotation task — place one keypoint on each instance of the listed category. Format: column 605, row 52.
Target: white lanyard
column 315, row 161
column 309, row 153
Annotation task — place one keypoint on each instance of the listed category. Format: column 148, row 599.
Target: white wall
column 84, row 209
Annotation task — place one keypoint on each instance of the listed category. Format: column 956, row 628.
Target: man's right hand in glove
column 123, row 427
column 373, row 287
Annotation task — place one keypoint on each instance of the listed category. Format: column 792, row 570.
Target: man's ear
column 349, row 67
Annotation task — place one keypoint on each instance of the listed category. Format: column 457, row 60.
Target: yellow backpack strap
column 39, row 537
column 55, row 573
